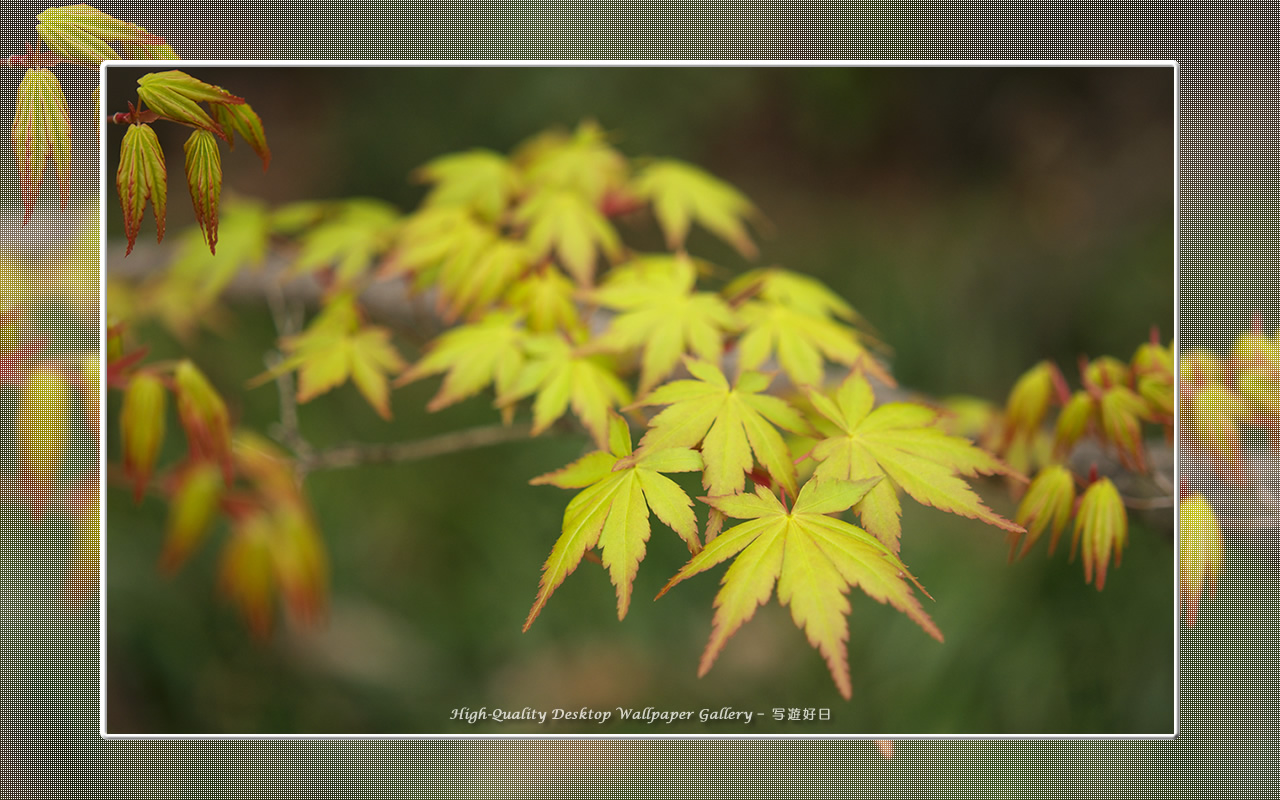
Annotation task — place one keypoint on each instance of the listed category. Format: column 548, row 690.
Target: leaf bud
column 191, row 510
column 1101, row 529
column 1048, row 499
column 204, row 416
column 1199, row 552
column 42, row 432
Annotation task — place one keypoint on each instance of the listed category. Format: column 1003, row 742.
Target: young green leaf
column 438, row 245
column 142, row 421
column 682, row 194
column 731, row 423
column 546, row 298
column 41, row 131
column 80, row 33
column 814, row 559
column 175, row 95
column 242, row 119
column 478, row 180
column 141, row 177
column 564, row 377
column 204, row 179
column 795, row 290
column 619, row 491
column 661, row 313
column 1121, row 411
column 565, row 223
column 901, row 442
column 475, row 355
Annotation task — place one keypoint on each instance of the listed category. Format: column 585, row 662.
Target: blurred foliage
column 980, row 219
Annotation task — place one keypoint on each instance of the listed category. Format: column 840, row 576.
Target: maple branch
column 356, row 455
column 287, row 322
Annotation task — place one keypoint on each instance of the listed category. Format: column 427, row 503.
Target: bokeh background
column 981, row 219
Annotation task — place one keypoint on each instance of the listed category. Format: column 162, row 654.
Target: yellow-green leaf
column 800, row 342
column 731, row 423
column 581, row 163
column 901, row 442
column 661, row 314
column 1199, row 552
column 142, row 423
column 204, row 180
column 338, row 346
column 1102, row 528
column 478, row 180
column 546, row 298
column 140, row 177
column 355, row 233
column 682, row 194
column 612, row 511
column 191, row 510
column 80, row 33
column 475, row 355
column 41, row 132
column 564, row 377
column 1049, row 499
column 242, row 119
column 175, row 95
column 814, row 559
column 563, row 223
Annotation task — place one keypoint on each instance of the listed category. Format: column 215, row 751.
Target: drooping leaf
column 1199, row 552
column 480, row 181
column 814, row 559
column 619, row 491
column 336, row 347
column 565, row 376
column 1121, row 412
column 81, row 34
column 204, row 417
column 900, row 442
column 349, row 240
column 142, row 422
column 1029, row 401
column 1073, row 421
column 176, row 96
column 662, row 314
column 191, row 511
column 41, row 131
column 1049, row 499
column 204, row 180
column 475, row 355
column 566, row 224
column 730, row 422
column 1212, row 414
column 1101, row 529
column 242, row 119
column 140, row 177
column 42, row 429
column 682, row 194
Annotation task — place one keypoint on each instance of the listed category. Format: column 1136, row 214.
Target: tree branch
column 356, row 455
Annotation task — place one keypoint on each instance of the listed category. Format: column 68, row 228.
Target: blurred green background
column 980, row 218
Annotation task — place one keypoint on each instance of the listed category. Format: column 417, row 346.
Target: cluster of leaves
column 82, row 36
column 1115, row 405
column 524, row 257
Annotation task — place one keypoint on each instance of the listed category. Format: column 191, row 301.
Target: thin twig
column 356, row 455
column 287, row 431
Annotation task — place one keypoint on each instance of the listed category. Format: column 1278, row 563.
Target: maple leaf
column 731, row 423
column 682, row 194
column 661, row 311
column 337, row 347
column 582, row 163
column 349, row 241
column 814, row 559
column 480, row 180
column 564, row 377
column 901, row 442
column 475, row 355
column 41, row 131
column 546, row 297
column 141, row 177
column 564, row 221
column 800, row 341
column 620, row 488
